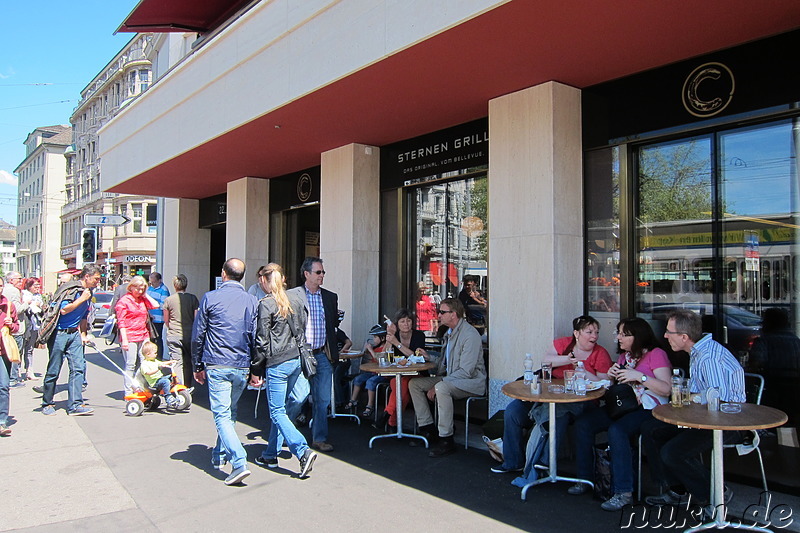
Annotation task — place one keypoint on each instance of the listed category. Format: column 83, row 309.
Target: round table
column 698, row 416
column 398, row 372
column 520, row 391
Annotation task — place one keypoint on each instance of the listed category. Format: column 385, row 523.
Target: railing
column 86, row 200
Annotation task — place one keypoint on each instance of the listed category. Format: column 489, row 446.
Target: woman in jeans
column 646, row 368
column 281, row 326
column 132, row 310
column 8, row 318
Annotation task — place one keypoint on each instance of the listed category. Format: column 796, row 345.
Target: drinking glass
column 569, row 381
column 547, row 372
column 686, row 395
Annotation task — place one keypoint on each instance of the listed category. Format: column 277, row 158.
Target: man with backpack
column 64, row 329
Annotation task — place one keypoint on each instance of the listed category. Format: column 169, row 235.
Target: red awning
column 198, row 16
column 72, row 271
column 437, row 270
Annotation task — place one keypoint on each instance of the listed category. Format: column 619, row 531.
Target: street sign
column 99, row 219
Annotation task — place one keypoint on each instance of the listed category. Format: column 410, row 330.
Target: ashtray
column 555, row 389
column 731, row 408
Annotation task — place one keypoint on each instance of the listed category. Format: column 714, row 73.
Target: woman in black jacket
column 281, row 327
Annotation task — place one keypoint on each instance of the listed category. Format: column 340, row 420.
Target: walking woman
column 8, row 318
column 281, row 326
column 132, row 311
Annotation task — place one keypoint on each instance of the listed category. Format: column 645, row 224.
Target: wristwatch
column 644, row 378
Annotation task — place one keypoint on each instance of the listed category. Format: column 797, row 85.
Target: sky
column 49, row 52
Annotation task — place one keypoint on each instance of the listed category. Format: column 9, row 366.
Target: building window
column 136, row 217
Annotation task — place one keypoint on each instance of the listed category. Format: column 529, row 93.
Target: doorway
column 295, row 236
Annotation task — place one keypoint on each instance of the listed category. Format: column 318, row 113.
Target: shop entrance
column 294, row 236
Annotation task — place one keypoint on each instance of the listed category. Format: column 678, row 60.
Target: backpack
column 67, row 291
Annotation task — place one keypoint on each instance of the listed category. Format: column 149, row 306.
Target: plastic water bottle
column 580, row 379
column 528, row 376
column 677, row 393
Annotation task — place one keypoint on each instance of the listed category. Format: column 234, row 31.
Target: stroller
column 142, row 396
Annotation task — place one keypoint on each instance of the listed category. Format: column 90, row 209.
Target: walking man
column 223, row 339
column 322, row 307
column 66, row 342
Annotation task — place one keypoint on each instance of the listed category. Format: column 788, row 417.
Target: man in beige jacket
column 460, row 373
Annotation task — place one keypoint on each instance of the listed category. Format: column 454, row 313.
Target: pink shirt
column 132, row 315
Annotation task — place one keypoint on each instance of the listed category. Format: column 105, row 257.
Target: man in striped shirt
column 674, row 453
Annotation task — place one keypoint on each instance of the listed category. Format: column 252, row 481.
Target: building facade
column 8, row 246
column 42, row 177
column 129, row 249
column 569, row 158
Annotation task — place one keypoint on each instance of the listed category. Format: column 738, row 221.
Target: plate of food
column 593, row 385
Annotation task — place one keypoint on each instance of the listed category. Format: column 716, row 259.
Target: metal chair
column 466, row 418
column 754, row 393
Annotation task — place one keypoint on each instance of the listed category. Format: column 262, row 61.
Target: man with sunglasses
column 460, row 373
column 321, row 306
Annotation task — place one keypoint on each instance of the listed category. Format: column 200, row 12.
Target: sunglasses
column 443, row 312
column 318, row 272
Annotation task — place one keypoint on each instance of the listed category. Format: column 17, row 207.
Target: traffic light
column 89, row 245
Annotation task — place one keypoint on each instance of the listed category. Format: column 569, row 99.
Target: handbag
column 151, row 329
column 108, row 331
column 308, row 363
column 620, row 400
column 10, row 347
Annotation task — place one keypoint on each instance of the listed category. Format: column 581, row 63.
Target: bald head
column 234, row 269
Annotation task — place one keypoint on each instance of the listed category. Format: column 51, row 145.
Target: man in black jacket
column 321, row 306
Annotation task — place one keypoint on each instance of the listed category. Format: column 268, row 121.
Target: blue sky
column 49, row 51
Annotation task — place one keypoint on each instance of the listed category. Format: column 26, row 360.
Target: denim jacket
column 225, row 327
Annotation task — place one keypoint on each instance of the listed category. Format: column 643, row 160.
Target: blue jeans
column 163, row 385
column 341, row 393
column 297, row 397
column 517, row 420
column 225, row 386
column 70, row 346
column 321, row 396
column 620, row 432
column 5, row 367
column 280, row 382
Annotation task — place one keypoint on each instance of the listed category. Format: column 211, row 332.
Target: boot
column 430, row 432
column 445, row 446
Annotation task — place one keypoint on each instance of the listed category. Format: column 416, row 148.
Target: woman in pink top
column 132, row 311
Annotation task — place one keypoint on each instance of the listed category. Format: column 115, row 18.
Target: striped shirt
column 315, row 327
column 712, row 365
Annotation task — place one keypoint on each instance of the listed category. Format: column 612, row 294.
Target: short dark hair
column 405, row 313
column 643, row 336
column 455, row 305
column 307, row 265
column 89, row 270
column 234, row 268
column 583, row 322
column 687, row 322
column 156, row 275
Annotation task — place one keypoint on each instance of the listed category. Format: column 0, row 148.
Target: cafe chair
column 754, row 389
column 466, row 418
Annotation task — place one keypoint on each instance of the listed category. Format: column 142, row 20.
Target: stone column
column 350, row 233
column 535, row 226
column 247, row 227
column 186, row 246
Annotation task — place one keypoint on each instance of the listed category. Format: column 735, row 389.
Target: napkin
column 416, row 359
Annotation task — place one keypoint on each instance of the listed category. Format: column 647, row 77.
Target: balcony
column 86, row 200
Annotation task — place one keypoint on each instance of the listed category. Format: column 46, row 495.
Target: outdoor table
column 346, row 356
column 397, row 372
column 520, row 391
column 698, row 416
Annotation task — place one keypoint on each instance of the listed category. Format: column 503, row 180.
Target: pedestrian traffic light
column 89, row 245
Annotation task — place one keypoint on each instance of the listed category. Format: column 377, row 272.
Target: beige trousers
column 445, row 394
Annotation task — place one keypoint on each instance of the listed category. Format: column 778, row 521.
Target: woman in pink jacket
column 132, row 313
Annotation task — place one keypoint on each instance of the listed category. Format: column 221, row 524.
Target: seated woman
column 566, row 353
column 369, row 379
column 646, row 368
column 407, row 341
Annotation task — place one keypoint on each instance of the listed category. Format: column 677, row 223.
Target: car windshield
column 745, row 318
column 103, row 297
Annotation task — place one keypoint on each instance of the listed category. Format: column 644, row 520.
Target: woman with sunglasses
column 646, row 368
column 565, row 354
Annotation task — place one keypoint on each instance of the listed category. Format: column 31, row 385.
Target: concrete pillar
column 535, row 226
column 186, row 247
column 247, row 228
column 350, row 233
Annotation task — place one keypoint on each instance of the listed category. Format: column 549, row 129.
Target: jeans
column 4, row 382
column 341, row 393
column 27, row 350
column 594, row 420
column 517, row 420
column 321, row 396
column 297, row 397
column 369, row 380
column 163, row 385
column 225, row 386
column 280, row 381
column 133, row 358
column 70, row 346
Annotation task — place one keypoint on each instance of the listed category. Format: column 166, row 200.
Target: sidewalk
column 110, row 472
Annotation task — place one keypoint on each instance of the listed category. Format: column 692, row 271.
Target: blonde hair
column 276, row 284
column 149, row 348
column 137, row 281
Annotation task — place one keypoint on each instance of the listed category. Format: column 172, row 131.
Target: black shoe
column 500, row 469
column 381, row 424
column 445, row 446
column 390, row 430
column 269, row 463
column 430, row 433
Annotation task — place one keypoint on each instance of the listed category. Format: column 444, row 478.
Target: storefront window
column 449, row 232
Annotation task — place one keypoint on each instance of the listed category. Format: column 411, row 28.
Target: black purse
column 308, row 363
column 620, row 400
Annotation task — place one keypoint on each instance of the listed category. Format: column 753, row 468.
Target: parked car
column 101, row 302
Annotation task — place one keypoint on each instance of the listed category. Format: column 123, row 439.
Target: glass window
column 136, row 217
column 602, row 232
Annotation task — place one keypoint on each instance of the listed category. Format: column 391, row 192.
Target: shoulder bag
column 620, row 400
column 308, row 363
column 10, row 347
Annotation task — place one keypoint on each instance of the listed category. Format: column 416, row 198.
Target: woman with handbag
column 32, row 295
column 8, row 317
column 132, row 311
column 280, row 334
column 643, row 374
